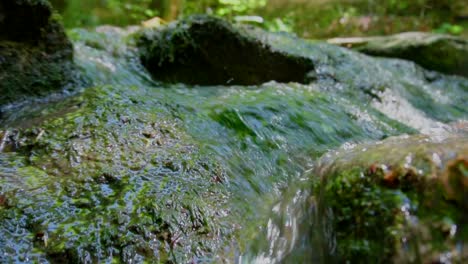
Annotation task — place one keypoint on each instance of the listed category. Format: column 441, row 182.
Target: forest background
column 314, row 19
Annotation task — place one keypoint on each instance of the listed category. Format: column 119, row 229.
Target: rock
column 207, row 51
column 402, row 199
column 96, row 188
column 35, row 54
column 444, row 53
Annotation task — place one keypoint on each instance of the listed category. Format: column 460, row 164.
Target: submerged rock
column 443, row 53
column 35, row 54
column 208, row 51
column 404, row 199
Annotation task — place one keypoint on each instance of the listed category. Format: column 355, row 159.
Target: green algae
column 101, row 183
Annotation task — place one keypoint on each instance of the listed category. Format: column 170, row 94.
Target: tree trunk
column 168, row 9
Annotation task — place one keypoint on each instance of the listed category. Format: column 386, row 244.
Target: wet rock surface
column 209, row 51
column 35, row 54
column 98, row 180
column 400, row 200
column 443, row 53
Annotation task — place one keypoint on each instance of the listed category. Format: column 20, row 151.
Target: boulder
column 207, row 51
column 106, row 179
column 443, row 53
column 35, row 54
column 403, row 199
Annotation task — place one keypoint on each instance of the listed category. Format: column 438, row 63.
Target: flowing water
column 122, row 167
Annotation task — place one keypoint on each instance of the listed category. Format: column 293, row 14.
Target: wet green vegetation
column 399, row 200
column 104, row 180
column 398, row 194
column 128, row 168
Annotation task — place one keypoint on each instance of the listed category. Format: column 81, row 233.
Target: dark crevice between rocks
column 208, row 51
column 23, row 20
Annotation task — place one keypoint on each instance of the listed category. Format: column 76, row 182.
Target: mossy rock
column 95, row 179
column 402, row 200
column 443, row 53
column 208, row 51
column 35, row 53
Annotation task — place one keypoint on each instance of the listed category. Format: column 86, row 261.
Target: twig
column 3, row 141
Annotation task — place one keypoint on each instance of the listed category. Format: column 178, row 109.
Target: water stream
column 233, row 164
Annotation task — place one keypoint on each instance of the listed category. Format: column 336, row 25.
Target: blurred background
column 315, row 19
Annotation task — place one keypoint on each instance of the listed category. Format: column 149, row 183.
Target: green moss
column 105, row 179
column 393, row 209
column 364, row 216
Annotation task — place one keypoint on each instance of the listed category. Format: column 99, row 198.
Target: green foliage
column 447, row 28
column 331, row 18
column 82, row 13
column 225, row 8
column 310, row 19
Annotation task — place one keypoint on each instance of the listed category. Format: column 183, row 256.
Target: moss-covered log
column 207, row 51
column 35, row 54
